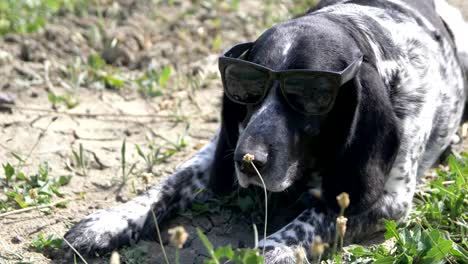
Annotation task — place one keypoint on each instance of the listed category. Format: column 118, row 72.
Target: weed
column 123, row 159
column 42, row 243
column 81, row 161
column 154, row 156
column 227, row 254
column 18, row 188
column 68, row 100
column 153, row 82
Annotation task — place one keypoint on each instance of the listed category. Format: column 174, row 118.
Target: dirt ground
column 134, row 36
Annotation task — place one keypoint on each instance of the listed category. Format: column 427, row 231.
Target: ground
column 158, row 89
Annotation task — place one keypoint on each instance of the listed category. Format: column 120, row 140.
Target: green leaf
column 20, row 201
column 385, row 260
column 164, row 77
column 140, row 152
column 21, row 176
column 224, row 252
column 459, row 252
column 391, row 228
column 439, row 251
column 113, row 82
column 96, row 62
column 9, row 172
column 359, row 251
column 63, row 180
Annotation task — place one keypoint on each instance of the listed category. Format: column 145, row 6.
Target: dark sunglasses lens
column 245, row 84
column 310, row 95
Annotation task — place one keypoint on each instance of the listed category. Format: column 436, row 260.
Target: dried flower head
column 343, row 200
column 115, row 258
column 299, row 255
column 317, row 247
column 341, row 222
column 248, row 157
column 178, row 236
column 33, row 193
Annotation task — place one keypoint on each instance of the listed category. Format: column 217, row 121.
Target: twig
column 41, row 135
column 85, row 115
column 19, row 211
column 49, row 84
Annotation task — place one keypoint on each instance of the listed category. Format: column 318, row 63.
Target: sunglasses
column 307, row 91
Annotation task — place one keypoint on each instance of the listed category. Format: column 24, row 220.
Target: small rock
column 5, row 57
column 127, row 132
column 7, row 98
column 16, row 239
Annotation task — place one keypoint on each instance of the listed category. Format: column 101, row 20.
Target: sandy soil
column 185, row 36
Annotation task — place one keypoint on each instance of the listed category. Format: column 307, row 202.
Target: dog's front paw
column 279, row 255
column 100, row 233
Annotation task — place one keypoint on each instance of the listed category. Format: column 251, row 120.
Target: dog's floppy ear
column 365, row 138
column 222, row 176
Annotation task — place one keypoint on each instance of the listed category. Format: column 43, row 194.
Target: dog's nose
column 260, row 161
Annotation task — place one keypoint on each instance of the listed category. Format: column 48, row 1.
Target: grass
column 22, row 16
column 18, row 186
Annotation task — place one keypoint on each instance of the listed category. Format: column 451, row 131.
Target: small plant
column 227, row 254
column 68, row 100
column 123, row 155
column 101, row 72
column 81, row 162
column 42, row 243
column 154, row 156
column 153, row 82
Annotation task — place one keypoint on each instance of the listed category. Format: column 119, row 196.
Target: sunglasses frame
column 232, row 56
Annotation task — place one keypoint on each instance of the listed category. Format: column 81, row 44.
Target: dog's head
column 285, row 142
column 289, row 145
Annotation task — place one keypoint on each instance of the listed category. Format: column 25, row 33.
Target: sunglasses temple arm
column 350, row 72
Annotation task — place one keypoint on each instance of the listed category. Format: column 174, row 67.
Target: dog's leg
column 108, row 229
column 280, row 247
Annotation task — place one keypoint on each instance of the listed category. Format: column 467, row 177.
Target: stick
column 19, row 211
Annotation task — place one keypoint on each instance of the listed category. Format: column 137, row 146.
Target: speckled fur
column 422, row 67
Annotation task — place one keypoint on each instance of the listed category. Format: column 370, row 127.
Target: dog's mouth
column 273, row 181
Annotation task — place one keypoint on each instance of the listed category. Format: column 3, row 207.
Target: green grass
column 44, row 243
column 25, row 16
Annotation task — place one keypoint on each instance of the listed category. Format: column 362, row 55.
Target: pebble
column 16, row 239
column 5, row 57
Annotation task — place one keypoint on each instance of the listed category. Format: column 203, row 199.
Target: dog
column 366, row 94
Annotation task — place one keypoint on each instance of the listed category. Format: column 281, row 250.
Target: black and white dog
column 367, row 94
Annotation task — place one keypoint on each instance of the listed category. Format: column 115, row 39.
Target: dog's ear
column 222, row 175
column 365, row 138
